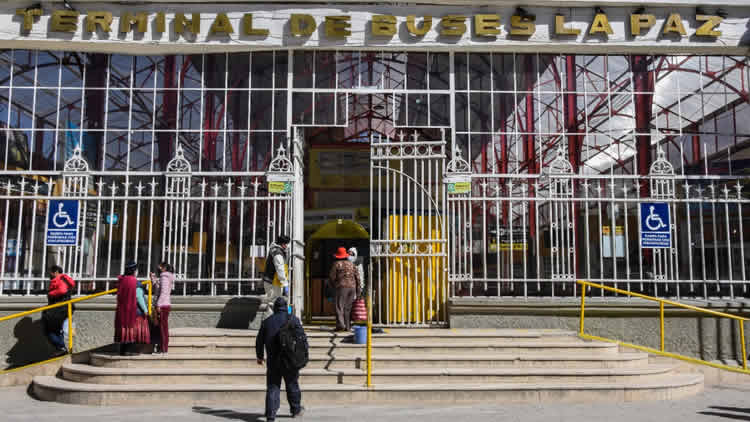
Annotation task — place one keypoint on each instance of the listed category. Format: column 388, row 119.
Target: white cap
column 352, row 251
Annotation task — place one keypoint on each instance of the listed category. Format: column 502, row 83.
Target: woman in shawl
column 131, row 324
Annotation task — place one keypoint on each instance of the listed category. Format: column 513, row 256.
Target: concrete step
column 257, row 375
column 384, row 361
column 662, row 388
column 408, row 347
column 318, row 334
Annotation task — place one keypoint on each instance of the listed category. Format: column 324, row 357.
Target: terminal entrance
column 377, row 187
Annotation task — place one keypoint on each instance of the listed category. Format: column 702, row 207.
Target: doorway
column 337, row 208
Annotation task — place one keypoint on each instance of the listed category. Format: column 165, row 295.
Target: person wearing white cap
column 355, row 259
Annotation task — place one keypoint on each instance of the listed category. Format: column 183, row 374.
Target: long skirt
column 138, row 333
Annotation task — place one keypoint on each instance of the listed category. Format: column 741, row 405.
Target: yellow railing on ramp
column 69, row 304
column 661, row 351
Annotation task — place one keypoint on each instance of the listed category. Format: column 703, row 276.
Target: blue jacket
column 268, row 335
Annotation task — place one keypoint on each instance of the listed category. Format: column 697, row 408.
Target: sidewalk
column 724, row 404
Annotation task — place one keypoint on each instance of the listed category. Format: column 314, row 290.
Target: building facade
column 487, row 151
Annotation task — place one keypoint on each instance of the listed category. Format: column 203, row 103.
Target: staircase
column 209, row 366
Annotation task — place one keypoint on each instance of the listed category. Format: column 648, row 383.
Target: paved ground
column 724, row 404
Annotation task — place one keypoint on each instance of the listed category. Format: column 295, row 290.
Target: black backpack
column 294, row 352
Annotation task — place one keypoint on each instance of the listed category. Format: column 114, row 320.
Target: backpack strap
column 64, row 278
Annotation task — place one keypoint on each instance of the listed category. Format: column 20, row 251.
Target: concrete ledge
column 681, row 385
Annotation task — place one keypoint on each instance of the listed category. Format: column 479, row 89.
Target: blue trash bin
column 360, row 334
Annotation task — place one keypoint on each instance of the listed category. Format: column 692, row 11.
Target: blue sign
column 655, row 228
column 62, row 223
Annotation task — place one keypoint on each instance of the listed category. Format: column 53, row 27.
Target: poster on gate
column 655, row 226
column 62, row 223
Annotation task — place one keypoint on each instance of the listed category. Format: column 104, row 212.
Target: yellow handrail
column 69, row 304
column 740, row 320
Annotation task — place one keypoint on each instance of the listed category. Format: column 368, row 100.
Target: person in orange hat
column 345, row 278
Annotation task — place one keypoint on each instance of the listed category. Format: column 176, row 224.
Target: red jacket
column 57, row 286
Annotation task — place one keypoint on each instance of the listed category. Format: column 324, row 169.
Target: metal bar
column 661, row 325
column 70, row 327
column 583, row 308
column 742, row 342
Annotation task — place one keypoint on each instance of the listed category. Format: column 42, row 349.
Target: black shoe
column 300, row 412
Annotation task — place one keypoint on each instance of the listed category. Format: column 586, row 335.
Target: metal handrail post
column 742, row 340
column 369, row 327
column 583, row 306
column 661, row 325
column 150, row 303
column 70, row 327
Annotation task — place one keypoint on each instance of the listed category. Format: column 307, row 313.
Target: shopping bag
column 359, row 310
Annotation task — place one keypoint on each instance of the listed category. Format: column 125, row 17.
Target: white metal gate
column 408, row 233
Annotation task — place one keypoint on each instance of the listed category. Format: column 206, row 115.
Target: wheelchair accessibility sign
column 655, row 228
column 62, row 223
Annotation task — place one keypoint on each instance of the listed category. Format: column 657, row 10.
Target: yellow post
column 742, row 340
column 583, row 304
column 70, row 327
column 369, row 340
column 661, row 324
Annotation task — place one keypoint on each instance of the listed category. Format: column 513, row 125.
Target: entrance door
column 408, row 234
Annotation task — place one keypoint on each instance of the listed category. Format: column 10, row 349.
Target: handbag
column 359, row 310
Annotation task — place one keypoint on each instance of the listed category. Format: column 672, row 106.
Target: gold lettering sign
column 412, row 27
column 383, row 25
column 707, row 29
column 128, row 20
column 28, row 17
column 101, row 19
column 523, row 26
column 247, row 26
column 601, row 25
column 674, row 25
column 453, row 25
column 181, row 23
column 561, row 29
column 64, row 21
column 161, row 22
column 486, row 25
column 640, row 22
column 338, row 26
column 301, row 25
column 222, row 25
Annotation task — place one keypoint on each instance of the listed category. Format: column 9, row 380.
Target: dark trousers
column 56, row 339
column 344, row 300
column 164, row 328
column 273, row 389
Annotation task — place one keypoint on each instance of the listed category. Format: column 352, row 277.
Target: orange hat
column 341, row 253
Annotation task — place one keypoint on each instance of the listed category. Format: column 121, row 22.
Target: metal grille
column 170, row 158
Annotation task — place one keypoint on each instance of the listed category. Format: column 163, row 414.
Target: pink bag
column 359, row 310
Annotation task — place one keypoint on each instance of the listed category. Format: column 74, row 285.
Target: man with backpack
column 55, row 320
column 281, row 335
